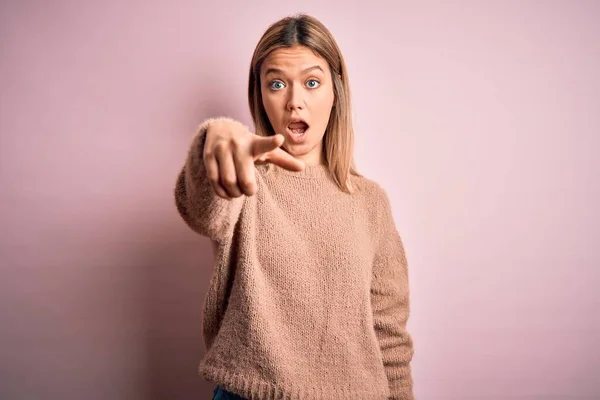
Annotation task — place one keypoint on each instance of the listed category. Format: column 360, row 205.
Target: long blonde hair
column 338, row 141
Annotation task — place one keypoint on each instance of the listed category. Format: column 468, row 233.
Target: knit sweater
column 309, row 294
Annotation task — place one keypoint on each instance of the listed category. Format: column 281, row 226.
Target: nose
column 296, row 98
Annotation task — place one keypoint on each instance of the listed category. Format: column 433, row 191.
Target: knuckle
column 209, row 154
column 247, row 185
column 211, row 170
column 229, row 181
column 237, row 143
column 220, row 146
column 216, row 149
column 212, row 173
column 251, row 191
column 214, row 181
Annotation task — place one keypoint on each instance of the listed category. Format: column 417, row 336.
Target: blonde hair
column 338, row 141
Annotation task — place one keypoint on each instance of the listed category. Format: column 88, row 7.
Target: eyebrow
column 277, row 70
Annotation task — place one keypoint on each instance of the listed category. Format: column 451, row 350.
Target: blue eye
column 314, row 80
column 271, row 85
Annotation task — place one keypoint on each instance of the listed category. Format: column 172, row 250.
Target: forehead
column 293, row 59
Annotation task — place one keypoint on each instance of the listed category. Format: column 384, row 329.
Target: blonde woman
column 309, row 296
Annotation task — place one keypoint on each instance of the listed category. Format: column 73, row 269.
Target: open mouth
column 298, row 127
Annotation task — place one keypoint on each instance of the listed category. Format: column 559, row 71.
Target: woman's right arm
column 219, row 173
column 197, row 202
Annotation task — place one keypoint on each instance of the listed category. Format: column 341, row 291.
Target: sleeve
column 391, row 305
column 198, row 204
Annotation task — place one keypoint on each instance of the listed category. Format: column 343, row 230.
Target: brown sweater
column 309, row 295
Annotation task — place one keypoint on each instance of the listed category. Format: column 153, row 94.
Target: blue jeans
column 222, row 394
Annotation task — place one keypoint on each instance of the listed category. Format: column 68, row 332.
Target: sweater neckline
column 309, row 171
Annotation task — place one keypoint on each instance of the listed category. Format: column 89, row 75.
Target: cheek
column 265, row 98
column 323, row 104
column 274, row 111
column 270, row 102
column 268, row 106
column 324, row 98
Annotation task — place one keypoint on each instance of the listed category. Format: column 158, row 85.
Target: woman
column 309, row 295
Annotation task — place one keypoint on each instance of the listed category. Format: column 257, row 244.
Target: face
column 296, row 85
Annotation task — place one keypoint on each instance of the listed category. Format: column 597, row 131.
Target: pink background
column 481, row 119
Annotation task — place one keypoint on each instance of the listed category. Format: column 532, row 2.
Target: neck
column 312, row 158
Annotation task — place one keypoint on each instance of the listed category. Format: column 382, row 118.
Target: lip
column 298, row 119
column 295, row 138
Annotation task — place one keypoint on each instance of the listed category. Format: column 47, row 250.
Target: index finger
column 264, row 144
column 284, row 160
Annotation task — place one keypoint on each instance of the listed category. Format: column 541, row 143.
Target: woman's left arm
column 390, row 301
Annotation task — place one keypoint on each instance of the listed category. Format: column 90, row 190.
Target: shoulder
column 382, row 213
column 371, row 189
column 376, row 203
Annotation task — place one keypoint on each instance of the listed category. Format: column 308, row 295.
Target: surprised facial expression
column 297, row 93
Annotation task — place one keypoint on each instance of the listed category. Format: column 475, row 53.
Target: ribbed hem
column 254, row 388
column 402, row 394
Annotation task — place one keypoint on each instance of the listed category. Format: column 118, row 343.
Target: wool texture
column 309, row 293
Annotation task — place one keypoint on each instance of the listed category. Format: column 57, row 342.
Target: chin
column 301, row 149
column 297, row 149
